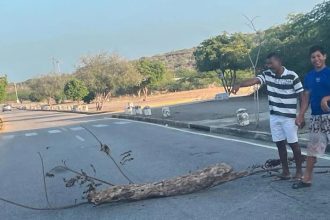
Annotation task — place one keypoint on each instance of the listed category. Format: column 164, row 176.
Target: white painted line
column 100, row 119
column 100, row 126
column 206, row 135
column 76, row 128
column 54, row 131
column 6, row 137
column 31, row 134
column 121, row 122
column 80, row 138
column 325, row 157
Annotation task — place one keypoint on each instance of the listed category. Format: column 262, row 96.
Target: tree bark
column 100, row 99
column 193, row 182
column 1, row 124
column 145, row 92
column 49, row 101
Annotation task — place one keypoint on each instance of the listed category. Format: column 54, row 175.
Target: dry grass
column 118, row 104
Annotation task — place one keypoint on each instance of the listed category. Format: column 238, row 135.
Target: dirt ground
column 118, row 104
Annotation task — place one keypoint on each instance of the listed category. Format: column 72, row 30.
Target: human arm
column 324, row 104
column 304, row 104
column 246, row 83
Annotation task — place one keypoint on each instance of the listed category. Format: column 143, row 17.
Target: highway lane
column 159, row 152
column 17, row 120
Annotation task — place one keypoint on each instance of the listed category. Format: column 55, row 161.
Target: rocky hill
column 177, row 59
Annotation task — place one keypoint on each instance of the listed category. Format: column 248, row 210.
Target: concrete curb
column 255, row 135
column 172, row 123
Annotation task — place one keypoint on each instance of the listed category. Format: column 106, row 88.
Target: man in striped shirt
column 283, row 88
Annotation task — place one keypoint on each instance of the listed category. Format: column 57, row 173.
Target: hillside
column 177, row 59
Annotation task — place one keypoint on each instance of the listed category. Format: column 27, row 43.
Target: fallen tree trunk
column 193, row 182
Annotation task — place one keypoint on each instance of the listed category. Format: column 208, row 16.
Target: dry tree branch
column 251, row 22
column 252, row 26
column 105, row 148
column 44, row 179
column 193, row 182
column 254, row 64
column 42, row 209
column 65, row 167
column 220, row 173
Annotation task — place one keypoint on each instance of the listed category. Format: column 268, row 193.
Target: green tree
column 106, row 74
column 3, row 86
column 35, row 97
column 293, row 38
column 226, row 54
column 154, row 76
column 59, row 97
column 187, row 79
column 75, row 89
column 48, row 86
column 89, row 97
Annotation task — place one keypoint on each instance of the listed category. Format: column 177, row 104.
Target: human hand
column 300, row 121
column 324, row 104
column 235, row 88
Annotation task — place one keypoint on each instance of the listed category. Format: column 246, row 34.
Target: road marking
column 31, row 134
column 99, row 119
column 76, row 128
column 6, row 137
column 80, row 138
column 54, row 131
column 100, row 126
column 222, row 138
column 205, row 135
column 121, row 122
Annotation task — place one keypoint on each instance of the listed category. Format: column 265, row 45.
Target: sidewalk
column 218, row 117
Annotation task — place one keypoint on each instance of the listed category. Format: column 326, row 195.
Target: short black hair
column 274, row 55
column 316, row 48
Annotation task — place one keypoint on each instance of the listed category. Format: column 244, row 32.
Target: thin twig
column 44, row 179
column 83, row 203
column 254, row 64
column 89, row 131
column 78, row 173
column 42, row 209
column 258, row 55
column 120, row 170
column 114, row 161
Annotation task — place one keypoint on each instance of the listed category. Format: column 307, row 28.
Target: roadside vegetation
column 220, row 60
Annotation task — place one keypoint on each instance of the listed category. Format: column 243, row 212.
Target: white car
column 6, row 108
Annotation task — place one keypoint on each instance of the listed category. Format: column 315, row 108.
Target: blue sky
column 34, row 31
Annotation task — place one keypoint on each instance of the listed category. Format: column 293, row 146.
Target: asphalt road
column 213, row 109
column 159, row 152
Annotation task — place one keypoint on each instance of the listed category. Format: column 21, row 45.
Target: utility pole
column 17, row 100
column 56, row 65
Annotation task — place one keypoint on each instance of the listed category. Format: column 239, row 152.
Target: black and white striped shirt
column 282, row 92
